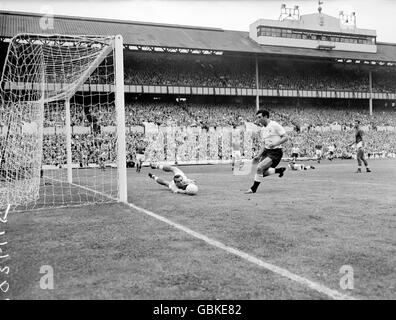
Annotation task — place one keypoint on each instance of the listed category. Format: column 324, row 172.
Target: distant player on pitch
column 331, row 150
column 295, row 152
column 270, row 155
column 140, row 157
column 236, row 148
column 359, row 148
column 179, row 184
column 102, row 160
column 319, row 152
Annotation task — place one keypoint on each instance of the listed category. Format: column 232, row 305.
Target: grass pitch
column 309, row 222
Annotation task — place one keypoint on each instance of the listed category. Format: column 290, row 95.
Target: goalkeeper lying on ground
column 179, row 184
column 299, row 166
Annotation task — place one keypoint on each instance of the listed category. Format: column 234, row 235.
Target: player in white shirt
column 270, row 155
column 295, row 152
column 179, row 184
column 236, row 147
column 318, row 152
column 299, row 166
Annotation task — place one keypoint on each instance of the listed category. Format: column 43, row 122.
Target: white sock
column 258, row 178
column 270, row 171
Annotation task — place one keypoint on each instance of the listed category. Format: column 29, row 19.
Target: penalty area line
column 331, row 293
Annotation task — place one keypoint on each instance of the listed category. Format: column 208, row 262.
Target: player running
column 180, row 182
column 359, row 148
column 270, row 155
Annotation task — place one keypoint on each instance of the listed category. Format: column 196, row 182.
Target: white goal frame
column 116, row 45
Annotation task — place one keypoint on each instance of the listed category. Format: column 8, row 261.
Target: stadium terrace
column 180, row 162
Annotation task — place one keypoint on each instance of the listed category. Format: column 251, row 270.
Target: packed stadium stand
column 317, row 94
column 238, row 72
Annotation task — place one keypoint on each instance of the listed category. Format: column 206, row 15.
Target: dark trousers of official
column 361, row 158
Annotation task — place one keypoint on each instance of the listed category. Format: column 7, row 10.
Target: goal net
column 62, row 122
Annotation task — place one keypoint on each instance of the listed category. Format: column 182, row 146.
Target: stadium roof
column 174, row 36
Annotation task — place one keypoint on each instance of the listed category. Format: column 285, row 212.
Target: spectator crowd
column 304, row 123
column 217, row 71
column 240, row 72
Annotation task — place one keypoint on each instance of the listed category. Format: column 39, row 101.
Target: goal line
column 315, row 286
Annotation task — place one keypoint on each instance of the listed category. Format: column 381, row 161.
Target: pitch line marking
column 349, row 182
column 331, row 293
column 271, row 267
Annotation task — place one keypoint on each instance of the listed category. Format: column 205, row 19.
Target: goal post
column 120, row 111
column 68, row 133
column 62, row 121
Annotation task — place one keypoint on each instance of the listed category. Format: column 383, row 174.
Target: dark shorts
column 360, row 153
column 294, row 155
column 331, row 153
column 274, row 154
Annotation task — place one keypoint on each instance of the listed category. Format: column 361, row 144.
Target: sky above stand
column 228, row 14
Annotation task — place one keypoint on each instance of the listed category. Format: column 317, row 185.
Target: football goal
column 62, row 122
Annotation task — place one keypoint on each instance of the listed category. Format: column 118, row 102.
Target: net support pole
column 371, row 93
column 41, row 124
column 257, row 87
column 68, row 142
column 120, row 114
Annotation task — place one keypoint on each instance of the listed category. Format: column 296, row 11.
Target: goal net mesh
column 57, row 94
